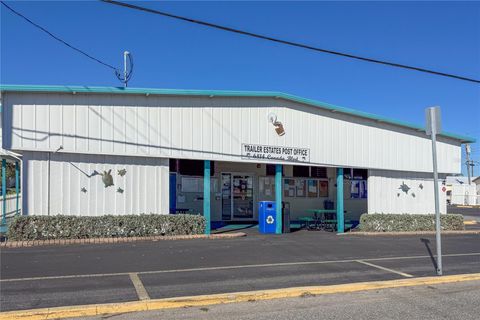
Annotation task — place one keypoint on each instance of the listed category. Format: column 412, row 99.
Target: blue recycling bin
column 267, row 222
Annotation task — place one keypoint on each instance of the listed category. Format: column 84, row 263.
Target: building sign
column 260, row 152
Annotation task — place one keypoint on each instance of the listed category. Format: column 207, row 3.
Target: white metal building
column 106, row 150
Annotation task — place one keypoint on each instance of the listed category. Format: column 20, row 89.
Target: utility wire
column 286, row 42
column 57, row 38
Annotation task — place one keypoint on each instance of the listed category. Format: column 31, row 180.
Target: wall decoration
column 312, row 188
column 300, row 187
column 107, row 178
column 120, row 190
column 413, row 194
column 84, row 190
column 420, row 186
column 358, row 189
column 323, row 189
column 122, row 172
column 289, row 188
column 404, row 187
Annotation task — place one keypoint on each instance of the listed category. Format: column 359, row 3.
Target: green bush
column 383, row 222
column 108, row 226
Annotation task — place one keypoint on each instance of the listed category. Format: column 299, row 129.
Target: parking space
column 30, row 294
column 74, row 275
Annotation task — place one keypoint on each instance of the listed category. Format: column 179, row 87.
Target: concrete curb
column 408, row 233
column 204, row 300
column 35, row 243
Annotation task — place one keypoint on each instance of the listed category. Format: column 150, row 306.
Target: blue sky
column 168, row 53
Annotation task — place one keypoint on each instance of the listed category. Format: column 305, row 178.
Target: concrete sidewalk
column 444, row 301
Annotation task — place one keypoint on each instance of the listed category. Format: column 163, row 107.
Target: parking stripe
column 406, row 275
column 266, row 265
column 137, row 283
column 223, row 298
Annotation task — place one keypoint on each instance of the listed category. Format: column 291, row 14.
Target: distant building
column 460, row 192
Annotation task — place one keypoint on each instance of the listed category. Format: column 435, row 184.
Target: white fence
column 11, row 204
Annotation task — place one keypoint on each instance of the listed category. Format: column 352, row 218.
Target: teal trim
column 17, row 184
column 269, row 94
column 4, row 191
column 340, row 214
column 206, row 196
column 278, row 198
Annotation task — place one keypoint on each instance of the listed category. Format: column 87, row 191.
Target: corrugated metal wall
column 74, row 189
column 385, row 195
column 214, row 128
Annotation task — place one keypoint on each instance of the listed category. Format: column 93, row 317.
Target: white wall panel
column 145, row 185
column 385, row 196
column 214, row 128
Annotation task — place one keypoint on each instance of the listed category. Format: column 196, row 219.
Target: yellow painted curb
column 469, row 222
column 204, row 300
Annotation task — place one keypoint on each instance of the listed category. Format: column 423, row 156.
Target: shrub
column 383, row 222
column 108, row 226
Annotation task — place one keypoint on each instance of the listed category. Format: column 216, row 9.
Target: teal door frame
column 340, row 214
column 206, row 196
column 278, row 198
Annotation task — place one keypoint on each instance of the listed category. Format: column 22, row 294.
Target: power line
column 286, row 42
column 57, row 38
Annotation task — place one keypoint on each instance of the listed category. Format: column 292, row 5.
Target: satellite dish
column 272, row 117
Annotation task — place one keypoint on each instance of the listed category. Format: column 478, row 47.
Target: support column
column 17, row 184
column 278, row 198
column 206, row 195
column 4, row 191
column 340, row 216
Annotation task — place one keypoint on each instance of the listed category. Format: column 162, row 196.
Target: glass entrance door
column 237, row 196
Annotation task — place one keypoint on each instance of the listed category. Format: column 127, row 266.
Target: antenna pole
column 125, row 81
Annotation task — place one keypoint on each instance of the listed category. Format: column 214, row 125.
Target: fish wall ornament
column 122, row 172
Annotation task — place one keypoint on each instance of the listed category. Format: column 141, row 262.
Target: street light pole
column 433, row 127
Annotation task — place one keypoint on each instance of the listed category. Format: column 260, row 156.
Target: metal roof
column 224, row 93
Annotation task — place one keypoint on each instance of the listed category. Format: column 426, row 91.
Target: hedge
column 383, row 222
column 108, row 226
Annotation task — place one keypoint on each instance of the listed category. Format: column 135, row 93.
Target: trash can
column 285, row 217
column 328, row 205
column 267, row 217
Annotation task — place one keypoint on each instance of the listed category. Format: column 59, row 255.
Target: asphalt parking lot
column 39, row 277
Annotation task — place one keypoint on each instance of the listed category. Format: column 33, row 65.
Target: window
column 309, row 172
column 357, row 174
column 318, row 172
column 193, row 167
column 301, row 171
column 270, row 170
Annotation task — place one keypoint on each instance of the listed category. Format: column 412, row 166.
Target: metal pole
column 125, row 68
column 467, row 153
column 17, row 183
column 340, row 214
column 435, row 186
column 278, row 198
column 4, row 191
column 206, row 196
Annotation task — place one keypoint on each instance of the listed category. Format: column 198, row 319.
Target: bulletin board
column 266, row 186
column 289, row 188
column 195, row 184
column 312, row 188
column 323, row 188
column 358, row 189
column 300, row 188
